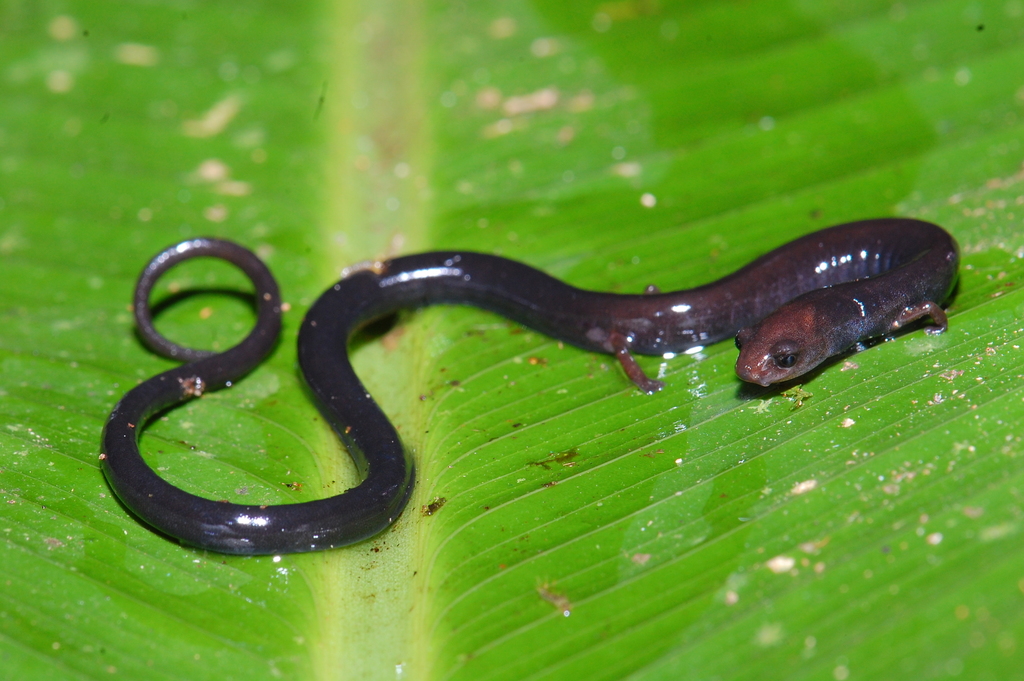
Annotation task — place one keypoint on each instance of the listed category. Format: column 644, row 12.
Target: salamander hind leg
column 925, row 309
column 620, row 345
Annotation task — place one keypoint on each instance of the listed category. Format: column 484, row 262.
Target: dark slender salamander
column 792, row 308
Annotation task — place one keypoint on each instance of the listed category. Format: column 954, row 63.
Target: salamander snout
column 764, row 368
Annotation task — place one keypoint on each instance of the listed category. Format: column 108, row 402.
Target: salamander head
column 786, row 344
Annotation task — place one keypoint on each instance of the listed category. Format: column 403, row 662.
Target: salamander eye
column 785, row 354
column 739, row 343
column 784, row 361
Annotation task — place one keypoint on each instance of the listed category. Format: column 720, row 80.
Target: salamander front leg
column 925, row 309
column 620, row 345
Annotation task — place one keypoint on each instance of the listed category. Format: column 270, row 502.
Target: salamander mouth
column 759, row 372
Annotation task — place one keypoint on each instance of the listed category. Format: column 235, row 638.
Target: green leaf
column 563, row 525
